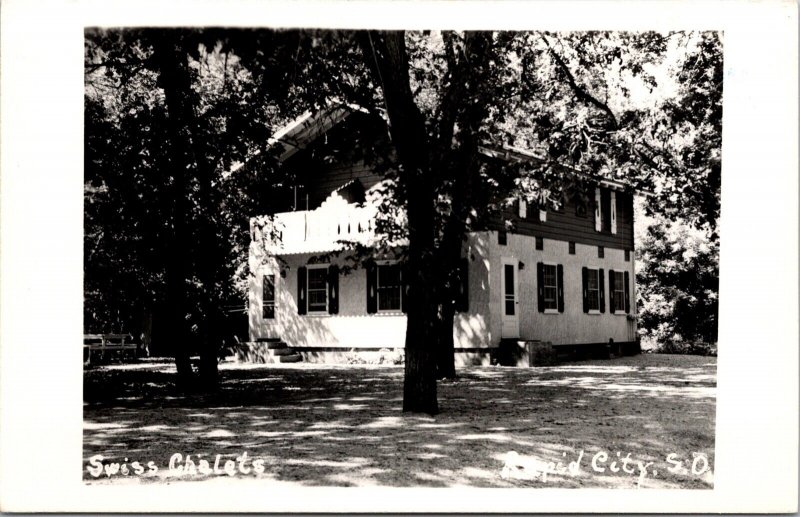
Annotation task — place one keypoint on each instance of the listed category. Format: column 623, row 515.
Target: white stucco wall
column 472, row 329
column 480, row 327
column 353, row 327
column 573, row 326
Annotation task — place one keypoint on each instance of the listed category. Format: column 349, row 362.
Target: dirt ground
column 645, row 421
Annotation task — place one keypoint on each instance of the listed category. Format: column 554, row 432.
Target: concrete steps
column 267, row 351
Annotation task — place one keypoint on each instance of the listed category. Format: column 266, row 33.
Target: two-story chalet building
column 564, row 276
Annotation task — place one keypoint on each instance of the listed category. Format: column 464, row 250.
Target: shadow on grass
column 328, row 425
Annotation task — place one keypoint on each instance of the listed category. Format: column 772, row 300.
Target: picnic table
column 112, row 343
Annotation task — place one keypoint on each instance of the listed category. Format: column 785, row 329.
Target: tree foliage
column 678, row 282
column 642, row 107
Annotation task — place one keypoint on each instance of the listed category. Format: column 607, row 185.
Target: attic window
column 580, row 208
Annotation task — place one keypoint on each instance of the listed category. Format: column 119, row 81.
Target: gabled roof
column 508, row 152
column 308, row 127
column 301, row 132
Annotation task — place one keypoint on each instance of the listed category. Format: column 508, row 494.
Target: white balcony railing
column 311, row 231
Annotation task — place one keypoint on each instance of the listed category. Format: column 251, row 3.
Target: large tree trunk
column 170, row 54
column 459, row 163
column 173, row 79
column 445, row 360
column 385, row 54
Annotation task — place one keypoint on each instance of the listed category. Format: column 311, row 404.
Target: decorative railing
column 327, row 228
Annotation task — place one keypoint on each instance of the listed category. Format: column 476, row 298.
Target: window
column 605, row 210
column 550, row 290
column 510, row 297
column 613, row 210
column 539, row 243
column 502, row 238
column 268, row 297
column 618, row 290
column 601, row 252
column 593, row 291
column 580, row 206
column 389, row 288
column 598, row 213
column 550, row 283
column 571, row 248
column 627, row 255
column 317, row 289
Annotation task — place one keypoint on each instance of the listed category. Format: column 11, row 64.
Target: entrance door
column 510, row 299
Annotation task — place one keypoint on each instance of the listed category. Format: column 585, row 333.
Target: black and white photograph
column 450, row 257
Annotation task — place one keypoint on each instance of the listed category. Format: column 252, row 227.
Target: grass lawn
column 342, row 425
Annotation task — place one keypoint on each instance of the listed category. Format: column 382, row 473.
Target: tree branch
column 93, row 67
column 579, row 90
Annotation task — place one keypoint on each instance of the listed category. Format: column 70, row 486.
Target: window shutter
column 627, row 294
column 302, row 278
column 598, row 218
column 560, row 269
column 602, row 287
column 612, row 285
column 540, row 286
column 585, row 276
column 523, row 209
column 613, row 212
column 372, row 289
column 462, row 301
column 403, row 289
column 333, row 289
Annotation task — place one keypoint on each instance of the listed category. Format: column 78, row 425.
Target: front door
column 510, row 299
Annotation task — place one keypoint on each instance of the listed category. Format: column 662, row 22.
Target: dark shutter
column 585, row 276
column 404, row 288
column 540, row 286
column 612, row 285
column 372, row 289
column 627, row 293
column 462, row 301
column 333, row 289
column 560, row 288
column 602, row 287
column 302, row 291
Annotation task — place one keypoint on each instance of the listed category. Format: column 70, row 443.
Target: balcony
column 328, row 228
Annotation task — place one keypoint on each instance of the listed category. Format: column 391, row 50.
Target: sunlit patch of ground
column 342, row 425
